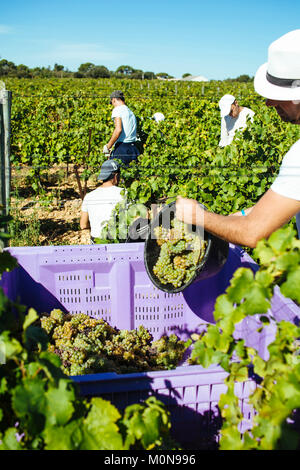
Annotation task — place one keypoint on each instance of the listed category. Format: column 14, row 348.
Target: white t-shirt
column 128, row 133
column 287, row 182
column 99, row 204
column 230, row 125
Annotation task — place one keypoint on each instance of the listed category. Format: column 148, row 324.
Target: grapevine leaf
column 264, row 253
column 28, row 401
column 10, row 346
column 287, row 261
column 290, row 288
column 231, row 439
column 7, row 261
column 152, row 435
column 223, row 307
column 9, row 440
column 67, row 437
column 101, row 431
column 240, row 284
column 3, row 386
column 30, row 318
column 256, row 301
column 34, row 335
column 281, row 239
column 59, row 407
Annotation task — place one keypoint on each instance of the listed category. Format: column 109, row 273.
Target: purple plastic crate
column 110, row 282
column 191, row 393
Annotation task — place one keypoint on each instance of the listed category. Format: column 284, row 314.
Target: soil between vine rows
column 57, row 207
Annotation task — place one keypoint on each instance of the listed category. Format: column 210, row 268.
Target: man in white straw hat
column 233, row 118
column 279, row 81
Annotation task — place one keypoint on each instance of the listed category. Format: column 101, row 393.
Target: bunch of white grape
column 88, row 345
column 180, row 253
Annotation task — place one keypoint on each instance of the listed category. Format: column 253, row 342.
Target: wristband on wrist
column 243, row 212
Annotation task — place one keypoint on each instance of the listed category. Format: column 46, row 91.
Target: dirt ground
column 57, row 207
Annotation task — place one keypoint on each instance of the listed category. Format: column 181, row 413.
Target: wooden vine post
column 5, row 168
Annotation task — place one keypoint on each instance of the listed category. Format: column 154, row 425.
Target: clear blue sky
column 214, row 38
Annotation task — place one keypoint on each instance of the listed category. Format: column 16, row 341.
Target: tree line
column 90, row 70
column 86, row 70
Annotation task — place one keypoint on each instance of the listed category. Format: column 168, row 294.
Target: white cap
column 225, row 104
column 158, row 117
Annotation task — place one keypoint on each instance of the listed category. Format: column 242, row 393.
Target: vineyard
column 61, row 123
column 59, row 128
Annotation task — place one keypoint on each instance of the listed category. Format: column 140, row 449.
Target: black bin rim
column 150, row 246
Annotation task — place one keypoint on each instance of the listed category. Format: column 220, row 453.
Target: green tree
column 125, row 70
column 7, row 68
column 42, row 72
column 149, row 75
column 163, row 75
column 244, row 78
column 58, row 68
column 98, row 71
column 138, row 74
column 23, row 71
column 85, row 68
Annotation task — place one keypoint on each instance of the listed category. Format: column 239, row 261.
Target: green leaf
column 240, row 284
column 264, row 278
column 268, row 432
column 9, row 441
column 36, row 336
column 67, row 437
column 281, row 239
column 28, row 401
column 100, row 429
column 290, row 288
column 10, row 346
column 59, row 406
column 3, row 385
column 287, row 261
column 223, row 307
column 256, row 301
column 231, row 439
column 264, row 253
column 7, row 262
column 239, row 372
column 30, row 318
column 259, row 366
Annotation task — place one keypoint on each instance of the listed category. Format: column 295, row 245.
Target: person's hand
column 189, row 211
column 106, row 150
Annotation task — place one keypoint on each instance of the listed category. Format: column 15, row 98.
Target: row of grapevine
column 69, row 121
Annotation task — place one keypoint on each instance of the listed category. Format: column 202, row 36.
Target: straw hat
column 279, row 78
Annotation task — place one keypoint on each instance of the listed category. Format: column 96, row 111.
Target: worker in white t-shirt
column 278, row 80
column 97, row 206
column 233, row 118
column 121, row 145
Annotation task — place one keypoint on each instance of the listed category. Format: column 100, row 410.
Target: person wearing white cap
column 278, row 80
column 233, row 117
column 97, row 206
column 158, row 117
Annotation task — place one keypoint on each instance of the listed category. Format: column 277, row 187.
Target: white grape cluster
column 88, row 345
column 181, row 251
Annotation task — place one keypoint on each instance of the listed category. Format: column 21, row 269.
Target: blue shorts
column 125, row 151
